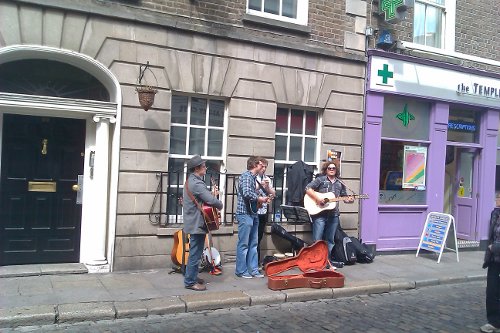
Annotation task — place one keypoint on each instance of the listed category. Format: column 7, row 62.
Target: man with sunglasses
column 326, row 222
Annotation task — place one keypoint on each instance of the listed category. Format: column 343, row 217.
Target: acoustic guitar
column 329, row 201
column 211, row 214
column 180, row 250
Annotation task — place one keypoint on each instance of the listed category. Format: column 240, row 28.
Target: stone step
column 42, row 269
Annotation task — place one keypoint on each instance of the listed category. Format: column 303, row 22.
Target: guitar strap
column 347, row 187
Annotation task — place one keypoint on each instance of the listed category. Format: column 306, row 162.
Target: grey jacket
column 191, row 214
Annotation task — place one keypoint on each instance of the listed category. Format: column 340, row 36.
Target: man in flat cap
column 195, row 189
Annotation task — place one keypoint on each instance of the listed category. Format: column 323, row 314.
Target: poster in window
column 414, row 167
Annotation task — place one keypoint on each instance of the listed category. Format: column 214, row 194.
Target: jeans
column 262, row 227
column 324, row 228
column 493, row 294
column 196, row 245
column 246, row 249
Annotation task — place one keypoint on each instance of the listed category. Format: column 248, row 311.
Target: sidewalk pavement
column 52, row 295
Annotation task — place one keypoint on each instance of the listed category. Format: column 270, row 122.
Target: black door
column 39, row 217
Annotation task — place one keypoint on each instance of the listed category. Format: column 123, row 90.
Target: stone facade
column 201, row 49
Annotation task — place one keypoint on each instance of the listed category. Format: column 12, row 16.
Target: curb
column 78, row 312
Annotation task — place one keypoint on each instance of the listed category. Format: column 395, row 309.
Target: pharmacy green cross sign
column 389, row 7
column 385, row 73
column 405, row 116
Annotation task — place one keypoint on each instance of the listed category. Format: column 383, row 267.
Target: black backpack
column 363, row 253
column 344, row 250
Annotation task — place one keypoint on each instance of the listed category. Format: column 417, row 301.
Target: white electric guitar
column 329, row 201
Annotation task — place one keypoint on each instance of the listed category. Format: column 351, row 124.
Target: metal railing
column 166, row 210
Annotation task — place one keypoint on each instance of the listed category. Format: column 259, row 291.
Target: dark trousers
column 493, row 294
column 262, row 227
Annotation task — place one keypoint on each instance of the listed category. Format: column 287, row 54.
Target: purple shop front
column 430, row 144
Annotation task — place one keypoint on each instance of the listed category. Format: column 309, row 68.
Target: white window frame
column 287, row 162
column 448, row 27
column 205, row 157
column 302, row 13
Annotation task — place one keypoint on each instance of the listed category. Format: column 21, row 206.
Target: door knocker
column 44, row 146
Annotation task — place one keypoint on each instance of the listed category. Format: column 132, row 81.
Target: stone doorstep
column 41, row 269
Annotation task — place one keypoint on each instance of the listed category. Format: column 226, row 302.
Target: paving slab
column 131, row 309
column 265, row 297
column 77, row 312
column 28, row 316
column 212, row 301
column 165, row 305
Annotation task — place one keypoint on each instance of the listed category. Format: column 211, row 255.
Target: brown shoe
column 197, row 287
column 200, row 281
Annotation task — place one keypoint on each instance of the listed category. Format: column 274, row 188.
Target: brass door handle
column 75, row 187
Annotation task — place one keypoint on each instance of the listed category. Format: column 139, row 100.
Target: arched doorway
column 56, row 108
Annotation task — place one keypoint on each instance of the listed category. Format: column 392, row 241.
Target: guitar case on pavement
column 311, row 261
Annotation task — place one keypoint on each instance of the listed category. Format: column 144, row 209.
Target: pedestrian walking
column 492, row 262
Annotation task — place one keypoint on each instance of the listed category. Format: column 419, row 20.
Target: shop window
column 463, row 126
column 293, row 11
column 197, row 128
column 428, row 24
column 402, row 173
column 296, row 139
column 406, row 119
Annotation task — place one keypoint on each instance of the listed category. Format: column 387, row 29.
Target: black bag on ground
column 363, row 253
column 344, row 250
column 297, row 243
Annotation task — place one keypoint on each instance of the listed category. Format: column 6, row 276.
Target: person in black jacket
column 492, row 262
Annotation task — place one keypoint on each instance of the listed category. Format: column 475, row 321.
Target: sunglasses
column 332, row 168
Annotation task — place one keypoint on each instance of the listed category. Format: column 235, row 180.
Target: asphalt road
column 443, row 308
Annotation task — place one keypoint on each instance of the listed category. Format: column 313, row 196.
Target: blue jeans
column 196, row 245
column 324, row 228
column 246, row 249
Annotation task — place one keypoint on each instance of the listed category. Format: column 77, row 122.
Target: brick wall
column 477, row 32
column 477, row 28
column 327, row 21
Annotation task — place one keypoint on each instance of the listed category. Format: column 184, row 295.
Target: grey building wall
column 254, row 77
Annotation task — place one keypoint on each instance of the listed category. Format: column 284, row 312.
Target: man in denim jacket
column 326, row 222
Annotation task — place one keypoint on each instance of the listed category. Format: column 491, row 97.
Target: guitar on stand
column 180, row 250
column 329, row 201
column 212, row 221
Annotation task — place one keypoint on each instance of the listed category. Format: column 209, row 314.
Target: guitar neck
column 336, row 199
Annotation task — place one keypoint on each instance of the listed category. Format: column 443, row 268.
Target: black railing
column 166, row 209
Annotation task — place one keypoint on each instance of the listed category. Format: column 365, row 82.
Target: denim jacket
column 321, row 184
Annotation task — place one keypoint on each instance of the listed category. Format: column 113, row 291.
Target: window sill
column 276, row 24
column 458, row 57
column 169, row 231
column 416, row 207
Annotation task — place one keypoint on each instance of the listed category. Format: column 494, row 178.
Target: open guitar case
column 311, row 261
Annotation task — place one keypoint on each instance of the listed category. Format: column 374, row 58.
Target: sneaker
column 197, row 287
column 488, row 328
column 258, row 275
column 244, row 276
